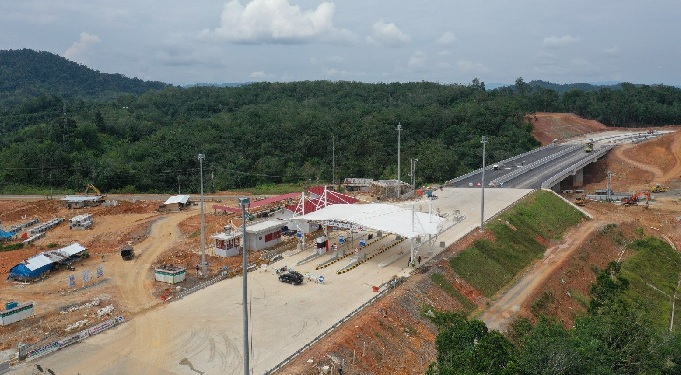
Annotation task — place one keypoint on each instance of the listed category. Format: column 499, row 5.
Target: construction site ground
column 203, row 332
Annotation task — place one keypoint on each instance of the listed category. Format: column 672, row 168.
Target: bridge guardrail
column 522, row 170
column 505, row 161
column 567, row 171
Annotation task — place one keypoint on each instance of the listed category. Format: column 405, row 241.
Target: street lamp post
column 413, row 174
column 203, row 236
column 399, row 134
column 244, row 203
column 482, row 203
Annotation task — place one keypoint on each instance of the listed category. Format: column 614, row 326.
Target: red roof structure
column 326, row 198
column 258, row 203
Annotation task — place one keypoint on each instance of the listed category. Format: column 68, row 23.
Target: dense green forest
column 63, row 125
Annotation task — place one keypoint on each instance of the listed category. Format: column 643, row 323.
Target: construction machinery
column 93, row 188
column 589, row 147
column 657, row 188
column 633, row 200
column 580, row 200
column 127, row 253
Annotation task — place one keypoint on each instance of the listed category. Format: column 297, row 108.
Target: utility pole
column 203, row 236
column 333, row 161
column 399, row 133
column 413, row 174
column 244, row 203
column 608, row 198
column 482, row 203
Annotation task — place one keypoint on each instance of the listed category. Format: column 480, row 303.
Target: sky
column 446, row 41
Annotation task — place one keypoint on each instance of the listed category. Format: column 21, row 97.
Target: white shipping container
column 21, row 312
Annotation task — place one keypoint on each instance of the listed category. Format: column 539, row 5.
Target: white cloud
column 612, row 51
column 276, row 21
column 258, row 75
column 418, row 60
column 388, row 34
column 78, row 50
column 467, row 66
column 582, row 63
column 447, row 39
column 560, row 41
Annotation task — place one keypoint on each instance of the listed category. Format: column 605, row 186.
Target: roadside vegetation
column 520, row 237
column 628, row 325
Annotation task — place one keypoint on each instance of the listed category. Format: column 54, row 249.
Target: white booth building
column 227, row 243
column 260, row 235
column 263, row 235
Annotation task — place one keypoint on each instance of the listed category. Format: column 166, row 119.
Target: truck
column 127, row 253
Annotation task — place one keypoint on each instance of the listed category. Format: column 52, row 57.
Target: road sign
column 299, row 234
column 321, row 279
column 362, row 243
column 341, row 239
column 72, row 281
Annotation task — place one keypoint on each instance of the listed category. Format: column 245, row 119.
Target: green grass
column 272, row 189
column 440, row 281
column 15, row 246
column 16, row 189
column 653, row 272
column 490, row 265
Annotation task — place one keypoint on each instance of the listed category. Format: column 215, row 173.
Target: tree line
column 269, row 133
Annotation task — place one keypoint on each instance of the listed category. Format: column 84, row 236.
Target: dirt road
column 134, row 279
column 502, row 312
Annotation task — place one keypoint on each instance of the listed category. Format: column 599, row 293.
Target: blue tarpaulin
column 4, row 234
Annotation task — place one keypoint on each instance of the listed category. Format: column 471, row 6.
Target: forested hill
column 263, row 133
column 27, row 73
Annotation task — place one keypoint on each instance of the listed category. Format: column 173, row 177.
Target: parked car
column 288, row 232
column 127, row 253
column 292, row 277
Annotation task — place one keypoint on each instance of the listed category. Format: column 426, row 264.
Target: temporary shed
column 44, row 262
column 5, row 235
column 31, row 268
column 177, row 202
column 358, row 184
column 80, row 201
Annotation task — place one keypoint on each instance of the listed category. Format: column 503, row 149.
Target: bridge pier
column 578, row 178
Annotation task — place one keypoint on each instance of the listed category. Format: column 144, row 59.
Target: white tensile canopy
column 380, row 216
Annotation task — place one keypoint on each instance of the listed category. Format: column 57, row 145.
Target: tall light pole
column 244, row 203
column 482, row 203
column 399, row 133
column 413, row 174
column 203, row 235
column 333, row 161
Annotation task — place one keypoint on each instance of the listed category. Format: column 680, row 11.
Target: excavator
column 93, row 188
column 633, row 200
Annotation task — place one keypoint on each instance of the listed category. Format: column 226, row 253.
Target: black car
column 292, row 277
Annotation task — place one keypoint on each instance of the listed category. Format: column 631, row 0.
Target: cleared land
column 198, row 334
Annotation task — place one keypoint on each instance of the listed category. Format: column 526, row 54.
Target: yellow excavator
column 92, row 188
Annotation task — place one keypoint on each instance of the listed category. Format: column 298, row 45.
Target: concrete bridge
column 548, row 166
